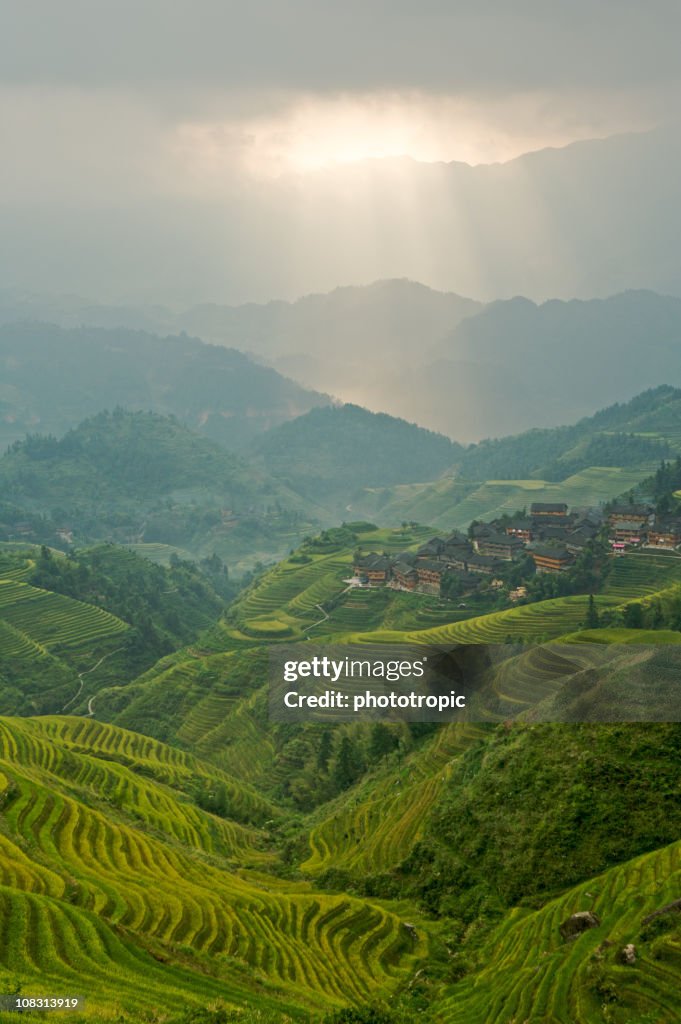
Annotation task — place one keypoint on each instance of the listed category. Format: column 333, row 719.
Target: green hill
column 586, row 463
column 121, row 456
column 70, row 625
column 524, row 970
column 137, row 477
column 214, row 390
column 331, row 453
column 624, row 434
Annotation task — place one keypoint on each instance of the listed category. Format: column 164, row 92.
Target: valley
column 174, row 849
column 185, row 858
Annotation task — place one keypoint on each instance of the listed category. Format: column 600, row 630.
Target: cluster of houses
column 638, row 526
column 551, row 534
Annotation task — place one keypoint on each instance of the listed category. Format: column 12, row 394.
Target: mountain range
column 448, row 363
column 587, row 219
column 52, row 378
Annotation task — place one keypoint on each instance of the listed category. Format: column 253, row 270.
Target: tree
column 324, row 754
column 592, row 620
column 633, row 616
column 345, row 770
column 381, row 742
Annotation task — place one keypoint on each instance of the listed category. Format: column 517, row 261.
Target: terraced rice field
column 15, row 568
column 83, row 890
column 164, row 764
column 295, row 589
column 160, row 553
column 53, row 620
column 361, row 608
column 591, row 486
column 523, row 681
column 642, row 573
column 231, row 735
column 543, row 620
column 15, row 644
column 529, row 974
column 376, row 828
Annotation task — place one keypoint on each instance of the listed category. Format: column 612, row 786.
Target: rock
column 578, row 923
column 628, row 954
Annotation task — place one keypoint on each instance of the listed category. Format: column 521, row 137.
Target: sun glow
column 311, row 134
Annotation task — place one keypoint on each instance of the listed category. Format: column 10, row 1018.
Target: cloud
column 179, row 48
column 155, row 147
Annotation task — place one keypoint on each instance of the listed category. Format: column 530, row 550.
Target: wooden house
column 665, row 533
column 631, row 531
column 551, row 559
column 372, row 568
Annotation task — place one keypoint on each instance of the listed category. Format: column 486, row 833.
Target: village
column 550, row 534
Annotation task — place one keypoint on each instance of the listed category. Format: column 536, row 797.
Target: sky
column 184, row 152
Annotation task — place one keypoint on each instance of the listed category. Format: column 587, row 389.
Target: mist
column 223, row 154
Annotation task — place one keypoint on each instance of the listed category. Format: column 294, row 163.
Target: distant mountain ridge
column 517, row 365
column 430, row 358
column 590, row 218
column 52, row 378
column 345, row 337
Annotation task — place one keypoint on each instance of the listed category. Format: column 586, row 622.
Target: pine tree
column 345, row 768
column 592, row 620
column 381, row 741
column 324, row 754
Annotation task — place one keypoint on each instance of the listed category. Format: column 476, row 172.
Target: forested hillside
column 215, row 390
column 331, row 453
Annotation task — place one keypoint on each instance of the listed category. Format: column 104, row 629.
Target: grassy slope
column 527, row 973
column 106, row 874
column 371, row 829
column 455, row 502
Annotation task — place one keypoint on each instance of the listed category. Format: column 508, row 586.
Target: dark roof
column 457, row 544
column 541, row 507
column 482, row 560
column 591, row 518
column 579, row 538
column 481, row 530
column 502, row 538
column 588, row 526
column 432, row 567
column 631, row 510
column 551, row 551
column 553, row 532
column 432, row 546
column 519, row 523
column 405, row 557
column 404, row 569
column 373, row 561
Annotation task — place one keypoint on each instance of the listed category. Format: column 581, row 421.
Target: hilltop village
column 548, row 540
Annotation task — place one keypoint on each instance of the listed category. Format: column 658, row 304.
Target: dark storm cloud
column 313, row 45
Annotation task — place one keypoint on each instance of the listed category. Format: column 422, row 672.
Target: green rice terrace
column 455, row 502
column 172, row 855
